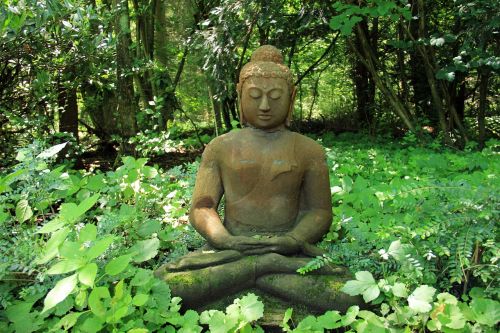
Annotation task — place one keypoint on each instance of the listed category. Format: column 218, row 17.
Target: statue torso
column 261, row 175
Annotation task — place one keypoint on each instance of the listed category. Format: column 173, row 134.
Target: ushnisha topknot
column 266, row 61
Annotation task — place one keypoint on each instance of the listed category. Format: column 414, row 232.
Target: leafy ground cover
column 417, row 224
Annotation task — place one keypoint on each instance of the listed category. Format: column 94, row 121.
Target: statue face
column 265, row 102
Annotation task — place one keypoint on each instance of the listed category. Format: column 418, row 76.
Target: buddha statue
column 277, row 203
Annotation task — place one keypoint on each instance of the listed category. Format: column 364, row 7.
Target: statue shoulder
column 308, row 148
column 218, row 145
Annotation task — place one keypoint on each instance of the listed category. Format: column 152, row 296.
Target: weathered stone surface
column 277, row 204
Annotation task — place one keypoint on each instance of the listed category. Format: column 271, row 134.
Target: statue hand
column 239, row 243
column 277, row 244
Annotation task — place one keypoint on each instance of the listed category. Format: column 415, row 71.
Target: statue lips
column 264, row 116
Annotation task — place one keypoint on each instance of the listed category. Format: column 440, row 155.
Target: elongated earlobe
column 242, row 118
column 288, row 120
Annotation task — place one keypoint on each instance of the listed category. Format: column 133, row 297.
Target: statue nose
column 264, row 104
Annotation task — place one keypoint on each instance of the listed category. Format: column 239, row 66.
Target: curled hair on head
column 267, row 61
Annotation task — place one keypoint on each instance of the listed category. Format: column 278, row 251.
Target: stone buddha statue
column 277, row 203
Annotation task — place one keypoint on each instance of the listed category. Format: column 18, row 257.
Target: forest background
column 90, row 89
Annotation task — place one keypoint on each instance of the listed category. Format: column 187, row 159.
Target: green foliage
column 412, row 221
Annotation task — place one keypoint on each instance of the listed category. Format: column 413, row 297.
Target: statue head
column 266, row 90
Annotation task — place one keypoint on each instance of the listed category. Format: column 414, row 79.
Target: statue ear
column 290, row 107
column 238, row 91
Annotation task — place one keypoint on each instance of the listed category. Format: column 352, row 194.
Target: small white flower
column 429, row 255
column 383, row 254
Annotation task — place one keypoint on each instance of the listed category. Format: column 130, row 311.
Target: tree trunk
column 421, row 93
column 381, row 81
column 68, row 111
column 483, row 92
column 363, row 83
column 164, row 86
column 126, row 106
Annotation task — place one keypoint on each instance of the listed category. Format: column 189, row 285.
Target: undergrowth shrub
column 417, row 224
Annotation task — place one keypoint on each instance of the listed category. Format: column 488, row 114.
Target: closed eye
column 255, row 93
column 275, row 93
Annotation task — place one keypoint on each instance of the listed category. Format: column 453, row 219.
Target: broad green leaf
column 69, row 320
column 350, row 315
column 145, row 250
column 396, row 250
column 486, row 311
column 99, row 247
column 420, row 300
column 88, row 233
column 23, row 320
column 149, row 227
column 81, row 298
column 87, row 274
column 399, row 290
column 71, row 250
column 330, row 320
column 52, row 151
column 138, row 330
column 117, row 265
column 371, row 293
column 9, row 179
column 365, row 277
column 251, row 308
column 61, row 290
column 51, row 248
column 354, row 287
column 66, row 266
column 140, row 299
column 141, row 277
column 86, row 204
column 23, row 211
column 96, row 304
column 52, row 226
column 92, row 324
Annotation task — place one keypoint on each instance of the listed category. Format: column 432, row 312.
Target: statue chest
column 263, row 171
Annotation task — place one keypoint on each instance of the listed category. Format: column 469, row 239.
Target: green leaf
column 52, row 226
column 92, row 324
column 96, row 304
column 330, row 320
column 363, row 285
column 66, row 266
column 69, row 320
column 420, row 300
column 486, row 311
column 354, row 287
column 117, row 265
column 365, row 276
column 145, row 250
column 52, row 151
column 350, row 315
column 371, row 293
column 51, row 248
column 23, row 211
column 399, row 290
column 396, row 250
column 140, row 299
column 149, row 227
column 86, row 204
column 251, row 308
column 88, row 233
column 61, row 290
column 87, row 274
column 99, row 247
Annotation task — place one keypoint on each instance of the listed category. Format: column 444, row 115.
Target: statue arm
column 207, row 194
column 316, row 207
